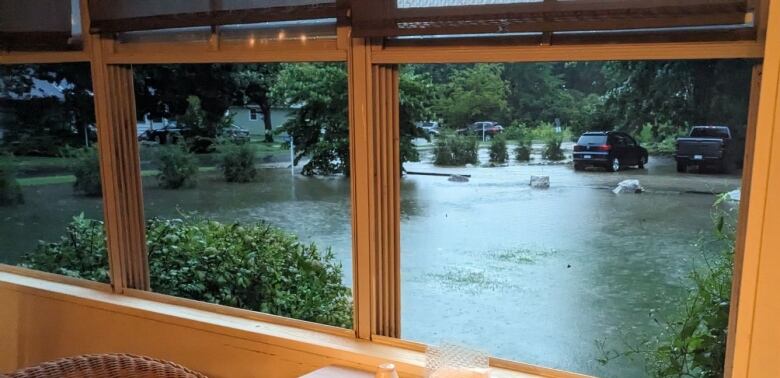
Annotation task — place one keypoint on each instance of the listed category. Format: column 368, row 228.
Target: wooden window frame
column 373, row 101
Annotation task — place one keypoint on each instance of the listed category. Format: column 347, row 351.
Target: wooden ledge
column 346, row 351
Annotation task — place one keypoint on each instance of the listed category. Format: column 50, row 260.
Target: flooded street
column 539, row 275
column 531, row 275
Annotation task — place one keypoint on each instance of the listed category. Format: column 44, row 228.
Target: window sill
column 341, row 350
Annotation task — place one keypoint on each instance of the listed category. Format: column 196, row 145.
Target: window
column 234, row 218
column 50, row 189
column 575, row 276
column 252, row 114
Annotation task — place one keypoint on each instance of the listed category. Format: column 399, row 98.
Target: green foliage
column 680, row 93
column 474, row 94
column 178, row 168
column 198, row 129
column 319, row 128
column 455, row 150
column 545, row 131
column 416, row 99
column 498, row 150
column 10, row 191
column 523, row 151
column 86, row 168
column 552, row 149
column 238, row 162
column 256, row 267
column 80, row 253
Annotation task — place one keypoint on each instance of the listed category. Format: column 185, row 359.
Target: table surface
column 338, row 372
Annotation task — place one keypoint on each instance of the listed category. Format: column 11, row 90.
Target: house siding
column 257, row 127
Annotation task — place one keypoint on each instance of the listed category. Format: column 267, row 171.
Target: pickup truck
column 704, row 146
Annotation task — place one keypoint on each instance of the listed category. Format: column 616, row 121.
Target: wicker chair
column 106, row 366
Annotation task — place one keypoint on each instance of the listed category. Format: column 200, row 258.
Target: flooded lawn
column 531, row 275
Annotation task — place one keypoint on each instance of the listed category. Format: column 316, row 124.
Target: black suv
column 609, row 149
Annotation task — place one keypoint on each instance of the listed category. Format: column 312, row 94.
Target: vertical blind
column 135, row 15
column 387, row 18
column 35, row 24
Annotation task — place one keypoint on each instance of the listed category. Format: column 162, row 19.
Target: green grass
column 67, row 179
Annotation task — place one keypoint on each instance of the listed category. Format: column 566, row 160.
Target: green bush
column 80, row 253
column 86, row 168
column 256, row 267
column 546, row 131
column 238, row 162
column 498, row 150
column 455, row 150
column 523, row 151
column 10, row 191
column 178, row 168
column 552, row 149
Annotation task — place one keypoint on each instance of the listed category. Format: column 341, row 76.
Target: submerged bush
column 256, row 267
column 523, row 151
column 178, row 168
column 498, row 150
column 86, row 168
column 10, row 191
column 238, row 162
column 552, row 149
column 453, row 150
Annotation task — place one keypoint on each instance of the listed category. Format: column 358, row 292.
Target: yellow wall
column 36, row 329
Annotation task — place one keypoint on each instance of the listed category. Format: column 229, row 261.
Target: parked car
column 169, row 133
column 704, row 146
column 431, row 128
column 480, row 129
column 609, row 149
column 236, row 134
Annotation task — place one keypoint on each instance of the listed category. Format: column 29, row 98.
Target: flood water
column 531, row 275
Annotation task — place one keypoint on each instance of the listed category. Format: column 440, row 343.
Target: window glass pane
column 229, row 219
column 50, row 191
column 580, row 272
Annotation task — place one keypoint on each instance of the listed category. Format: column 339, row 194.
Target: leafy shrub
column 238, row 162
column 523, row 151
column 498, row 150
column 178, row 168
column 256, row 267
column 10, row 191
column 454, row 150
column 552, row 149
column 86, row 168
column 80, row 253
column 546, row 131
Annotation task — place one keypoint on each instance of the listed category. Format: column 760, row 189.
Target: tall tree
column 320, row 128
column 474, row 94
column 677, row 93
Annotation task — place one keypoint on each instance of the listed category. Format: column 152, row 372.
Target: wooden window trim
column 361, row 56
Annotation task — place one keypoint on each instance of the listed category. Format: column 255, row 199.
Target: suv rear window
column 592, row 139
column 710, row 132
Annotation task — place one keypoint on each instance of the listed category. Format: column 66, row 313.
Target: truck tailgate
column 706, row 147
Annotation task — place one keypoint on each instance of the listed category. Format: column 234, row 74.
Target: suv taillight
column 604, row 147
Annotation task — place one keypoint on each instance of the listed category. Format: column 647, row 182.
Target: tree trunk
column 269, row 127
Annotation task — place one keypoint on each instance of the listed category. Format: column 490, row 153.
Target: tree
column 474, row 94
column 537, row 94
column 320, row 128
column 162, row 90
column 42, row 126
column 679, row 93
